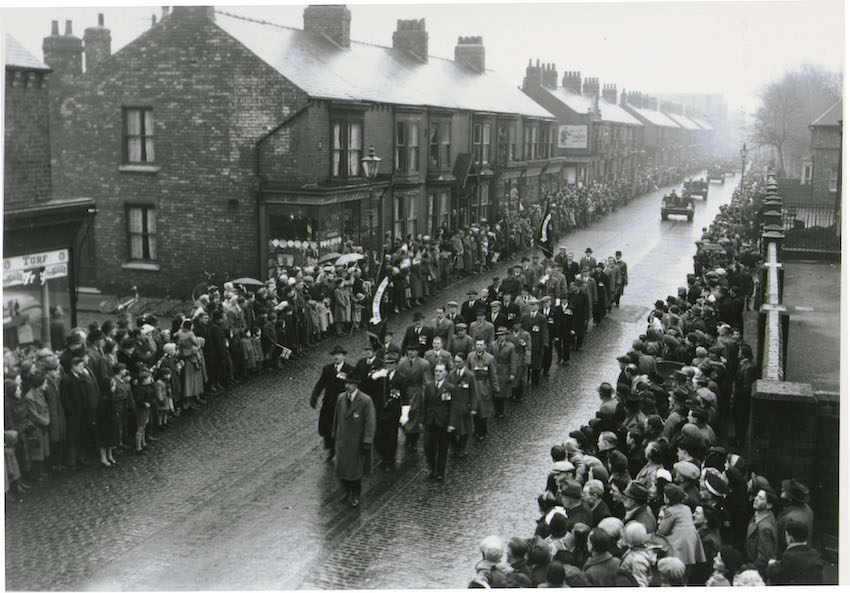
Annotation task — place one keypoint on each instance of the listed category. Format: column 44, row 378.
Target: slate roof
column 366, row 72
column 16, row 56
column 614, row 113
column 655, row 117
column 701, row 123
column 581, row 104
column 682, row 121
column 831, row 116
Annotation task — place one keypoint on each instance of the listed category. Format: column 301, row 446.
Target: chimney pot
column 97, row 44
column 68, row 31
column 54, row 28
column 165, row 11
column 100, row 19
column 153, row 20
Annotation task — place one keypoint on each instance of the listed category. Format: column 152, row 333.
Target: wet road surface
column 238, row 496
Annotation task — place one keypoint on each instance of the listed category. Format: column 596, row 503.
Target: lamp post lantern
column 744, row 153
column 371, row 164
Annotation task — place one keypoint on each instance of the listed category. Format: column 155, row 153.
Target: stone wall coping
column 784, row 391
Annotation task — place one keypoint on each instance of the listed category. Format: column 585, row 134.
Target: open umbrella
column 349, row 258
column 248, row 282
column 332, row 256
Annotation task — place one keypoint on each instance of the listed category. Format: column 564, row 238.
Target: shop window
column 138, row 135
column 347, row 148
column 481, row 143
column 407, row 146
column 440, row 144
column 142, row 230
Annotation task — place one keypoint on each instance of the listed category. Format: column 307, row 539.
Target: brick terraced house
column 214, row 142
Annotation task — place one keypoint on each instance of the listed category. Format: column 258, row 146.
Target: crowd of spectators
column 651, row 490
column 115, row 385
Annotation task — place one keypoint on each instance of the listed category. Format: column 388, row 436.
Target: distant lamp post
column 744, row 153
column 371, row 164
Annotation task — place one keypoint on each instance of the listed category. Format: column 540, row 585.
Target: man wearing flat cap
column 330, row 383
column 481, row 328
column 462, row 343
column 470, row 306
column 496, row 316
column 353, row 434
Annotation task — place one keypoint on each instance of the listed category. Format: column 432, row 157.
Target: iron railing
column 804, row 216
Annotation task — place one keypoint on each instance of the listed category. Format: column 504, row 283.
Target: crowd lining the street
column 111, row 387
column 650, row 492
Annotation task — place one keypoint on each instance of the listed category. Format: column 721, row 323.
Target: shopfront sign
column 35, row 268
column 572, row 136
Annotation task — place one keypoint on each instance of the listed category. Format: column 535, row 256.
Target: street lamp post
column 371, row 164
column 744, row 153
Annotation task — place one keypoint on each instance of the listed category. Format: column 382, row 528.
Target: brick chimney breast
column 469, row 51
column 410, row 35
column 609, row 93
column 63, row 53
column 97, row 44
column 550, row 76
column 572, row 81
column 332, row 20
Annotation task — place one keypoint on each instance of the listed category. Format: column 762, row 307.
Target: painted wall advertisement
column 572, row 136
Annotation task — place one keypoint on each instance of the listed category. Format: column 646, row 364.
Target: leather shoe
column 354, row 501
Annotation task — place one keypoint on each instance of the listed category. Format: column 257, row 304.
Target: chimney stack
column 63, row 53
column 469, row 51
column 165, row 11
column 609, row 93
column 533, row 76
column 651, row 103
column 591, row 89
column 98, row 44
column 205, row 13
column 331, row 20
column 572, row 81
column 550, row 76
column 411, row 35
column 624, row 98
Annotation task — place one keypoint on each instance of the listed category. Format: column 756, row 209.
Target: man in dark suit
column 497, row 317
column 588, row 261
column 564, row 328
column 452, row 313
column 437, row 419
column 578, row 304
column 418, row 335
column 624, row 275
column 388, row 413
column 470, row 305
column 354, row 433
column 365, row 367
column 571, row 268
column 800, row 564
column 548, row 311
column 332, row 385
column 537, row 326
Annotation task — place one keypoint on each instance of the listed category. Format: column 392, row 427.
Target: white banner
column 376, row 302
column 572, row 136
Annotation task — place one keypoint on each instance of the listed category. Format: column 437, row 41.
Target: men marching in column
column 388, row 413
column 465, row 406
column 437, row 419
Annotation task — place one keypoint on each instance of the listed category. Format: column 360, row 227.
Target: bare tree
column 788, row 106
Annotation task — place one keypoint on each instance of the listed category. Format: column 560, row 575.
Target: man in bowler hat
column 332, row 387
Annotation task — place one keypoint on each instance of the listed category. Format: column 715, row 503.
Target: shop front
column 297, row 226
column 42, row 248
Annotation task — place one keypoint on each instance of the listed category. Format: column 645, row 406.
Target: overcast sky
column 663, row 47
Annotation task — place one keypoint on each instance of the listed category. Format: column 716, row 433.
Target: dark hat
column 471, row 291
column 624, row 359
column 501, row 330
column 795, row 490
column 558, row 521
column 674, row 493
column 571, row 488
column 637, row 492
column 700, row 414
column 618, row 461
column 127, row 342
column 418, row 316
column 716, row 484
column 759, row 483
column 338, row 350
column 349, row 377
column 605, row 389
column 618, row 252
column 588, row 250
column 732, row 559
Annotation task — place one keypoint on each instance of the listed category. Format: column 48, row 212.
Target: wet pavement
column 238, row 495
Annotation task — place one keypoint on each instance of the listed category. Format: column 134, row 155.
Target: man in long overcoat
column 580, row 307
column 388, row 413
column 353, row 433
column 413, row 370
column 483, row 365
column 481, row 328
column 332, row 387
column 464, row 404
column 444, row 327
column 536, row 325
column 418, row 335
column 507, row 368
column 462, row 343
column 521, row 340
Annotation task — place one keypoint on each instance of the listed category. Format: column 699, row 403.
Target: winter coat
column 353, row 428
column 486, row 380
column 465, row 400
column 639, row 561
column 761, row 543
column 677, row 525
column 600, row 570
column 507, row 364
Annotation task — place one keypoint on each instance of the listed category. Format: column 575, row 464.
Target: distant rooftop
column 16, row 56
column 367, row 72
column 655, row 117
column 832, row 115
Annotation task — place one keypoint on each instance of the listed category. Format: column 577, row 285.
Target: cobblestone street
column 237, row 496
